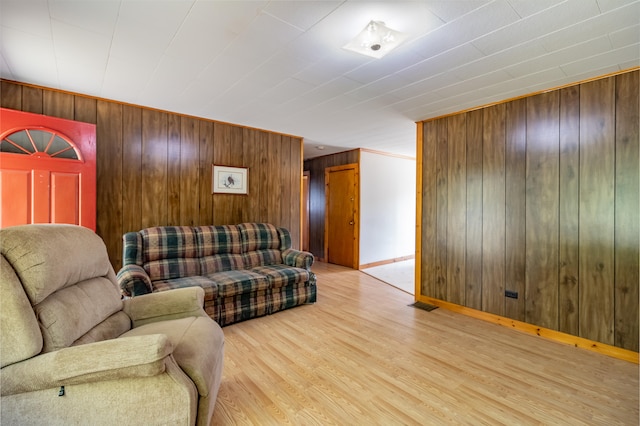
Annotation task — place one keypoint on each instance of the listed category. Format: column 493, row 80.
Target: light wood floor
column 362, row 356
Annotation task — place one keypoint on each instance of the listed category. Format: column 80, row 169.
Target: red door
column 47, row 170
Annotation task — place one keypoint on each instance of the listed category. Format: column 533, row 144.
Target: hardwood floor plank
column 362, row 355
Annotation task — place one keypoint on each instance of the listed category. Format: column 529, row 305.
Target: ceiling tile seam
column 109, row 51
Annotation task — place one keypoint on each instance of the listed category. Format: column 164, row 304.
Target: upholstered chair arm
column 297, row 258
column 136, row 356
column 165, row 305
column 134, row 281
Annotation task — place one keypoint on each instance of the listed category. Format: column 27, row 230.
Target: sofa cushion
column 221, row 263
column 170, row 252
column 262, row 258
column 232, row 283
column 281, row 275
column 210, row 287
column 222, row 239
column 259, row 236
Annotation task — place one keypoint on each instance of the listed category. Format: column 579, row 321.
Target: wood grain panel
column 569, row 214
column 189, row 171
column 429, row 210
column 627, row 228
column 473, row 255
column 597, row 175
column 154, row 168
column 10, row 95
column 442, row 186
column 32, row 99
column 543, row 141
column 228, row 151
column 205, row 172
column 272, row 182
column 295, row 169
column 493, row 214
column 58, row 104
column 132, row 168
column 252, row 161
column 109, row 174
column 174, row 163
column 515, row 163
column 85, row 109
column 456, row 208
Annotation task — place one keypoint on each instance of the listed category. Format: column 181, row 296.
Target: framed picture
column 229, row 180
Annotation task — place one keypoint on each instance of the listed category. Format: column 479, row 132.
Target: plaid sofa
column 246, row 270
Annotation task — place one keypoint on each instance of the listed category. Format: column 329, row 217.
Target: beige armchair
column 73, row 352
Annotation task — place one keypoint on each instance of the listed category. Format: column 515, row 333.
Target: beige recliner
column 73, row 352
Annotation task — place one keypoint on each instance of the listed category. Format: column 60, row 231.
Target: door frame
column 356, row 214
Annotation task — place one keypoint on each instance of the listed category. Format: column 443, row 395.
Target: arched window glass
column 38, row 142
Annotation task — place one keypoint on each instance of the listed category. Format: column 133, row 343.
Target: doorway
column 342, row 229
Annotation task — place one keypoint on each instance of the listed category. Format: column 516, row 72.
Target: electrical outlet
column 511, row 294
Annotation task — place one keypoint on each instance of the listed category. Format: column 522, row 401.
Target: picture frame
column 229, row 180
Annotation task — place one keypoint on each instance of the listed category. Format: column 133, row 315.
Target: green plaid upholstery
column 297, row 258
column 131, row 245
column 261, row 258
column 259, row 236
column 210, row 291
column 290, row 296
column 246, row 270
column 243, row 307
column 281, row 275
column 285, row 239
column 170, row 252
column 238, row 282
column 218, row 240
column 134, row 281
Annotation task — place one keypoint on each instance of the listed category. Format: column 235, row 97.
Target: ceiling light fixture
column 376, row 40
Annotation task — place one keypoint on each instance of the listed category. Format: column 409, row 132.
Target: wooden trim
column 387, row 154
column 557, row 336
column 530, row 94
column 386, row 262
column 418, row 243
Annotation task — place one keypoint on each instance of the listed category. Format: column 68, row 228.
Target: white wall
column 387, row 207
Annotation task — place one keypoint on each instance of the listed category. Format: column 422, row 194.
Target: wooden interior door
column 47, row 170
column 342, row 215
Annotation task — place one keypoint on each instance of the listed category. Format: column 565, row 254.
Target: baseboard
column 386, row 262
column 546, row 333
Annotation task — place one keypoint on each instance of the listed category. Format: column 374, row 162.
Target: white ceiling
column 279, row 65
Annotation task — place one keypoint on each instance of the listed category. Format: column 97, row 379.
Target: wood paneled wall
column 155, row 168
column 316, row 167
column 538, row 195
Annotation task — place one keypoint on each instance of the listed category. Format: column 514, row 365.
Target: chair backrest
column 66, row 276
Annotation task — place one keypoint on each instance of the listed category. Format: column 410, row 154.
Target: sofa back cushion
column 170, row 252
column 66, row 274
column 220, row 248
column 260, row 244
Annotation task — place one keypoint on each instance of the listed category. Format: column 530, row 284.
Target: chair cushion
column 20, row 336
column 48, row 257
column 232, row 283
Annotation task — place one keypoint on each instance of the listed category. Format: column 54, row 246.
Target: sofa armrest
column 136, row 356
column 165, row 305
column 134, row 281
column 297, row 258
